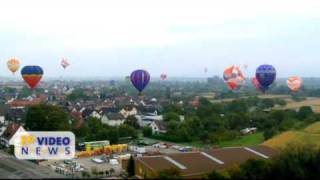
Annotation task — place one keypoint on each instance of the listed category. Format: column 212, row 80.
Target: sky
column 111, row 38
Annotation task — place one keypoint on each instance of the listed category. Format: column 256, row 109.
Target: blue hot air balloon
column 140, row 79
column 266, row 74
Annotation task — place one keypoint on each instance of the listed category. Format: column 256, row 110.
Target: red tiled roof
column 25, row 102
column 11, row 130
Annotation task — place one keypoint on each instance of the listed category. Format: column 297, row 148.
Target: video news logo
column 36, row 145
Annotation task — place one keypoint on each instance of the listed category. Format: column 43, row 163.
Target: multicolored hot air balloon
column 233, row 77
column 294, row 83
column 32, row 75
column 266, row 74
column 140, row 79
column 65, row 63
column 13, row 65
column 163, row 76
column 256, row 83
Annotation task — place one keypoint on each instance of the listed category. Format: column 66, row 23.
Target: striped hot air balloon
column 233, row 77
column 140, row 79
column 13, row 65
column 32, row 75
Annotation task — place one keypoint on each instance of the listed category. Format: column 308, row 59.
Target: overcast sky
column 113, row 37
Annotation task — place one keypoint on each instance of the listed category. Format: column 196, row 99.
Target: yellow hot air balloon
column 13, row 65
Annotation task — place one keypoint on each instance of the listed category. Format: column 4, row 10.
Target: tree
column 304, row 112
column 172, row 173
column 147, row 131
column 132, row 121
column 112, row 171
column 269, row 133
column 131, row 167
column 47, row 118
column 171, row 116
column 127, row 131
column 94, row 171
column 107, row 172
column 218, row 175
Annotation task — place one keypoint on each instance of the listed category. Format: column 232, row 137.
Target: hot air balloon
column 265, row 74
column 256, row 83
column 294, row 83
column 13, row 65
column 233, row 77
column 32, row 75
column 140, row 79
column 163, row 76
column 65, row 63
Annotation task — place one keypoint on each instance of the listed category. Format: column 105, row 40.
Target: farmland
column 309, row 135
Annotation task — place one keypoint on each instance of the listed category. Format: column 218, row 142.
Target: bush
column 269, row 133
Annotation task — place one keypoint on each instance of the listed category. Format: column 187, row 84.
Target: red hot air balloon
column 163, row 76
column 256, row 83
column 32, row 75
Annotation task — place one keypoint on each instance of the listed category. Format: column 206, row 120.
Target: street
column 12, row 168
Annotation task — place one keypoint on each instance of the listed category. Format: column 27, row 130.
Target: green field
column 248, row 140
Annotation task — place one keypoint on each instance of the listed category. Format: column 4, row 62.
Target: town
column 114, row 125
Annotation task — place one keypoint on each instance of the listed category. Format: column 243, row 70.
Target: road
column 12, row 168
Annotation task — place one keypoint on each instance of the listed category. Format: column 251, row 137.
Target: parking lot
column 85, row 164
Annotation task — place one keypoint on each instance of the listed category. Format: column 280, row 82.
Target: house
column 10, row 131
column 158, row 127
column 128, row 111
column 112, row 119
column 196, row 165
column 146, row 120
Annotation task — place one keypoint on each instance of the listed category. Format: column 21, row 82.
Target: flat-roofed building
column 199, row 164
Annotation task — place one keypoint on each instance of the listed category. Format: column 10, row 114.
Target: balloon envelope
column 32, row 75
column 266, row 74
column 13, row 65
column 64, row 63
column 140, row 79
column 256, row 83
column 163, row 76
column 294, row 83
column 234, row 77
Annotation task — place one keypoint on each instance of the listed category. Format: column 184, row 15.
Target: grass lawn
column 248, row 140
